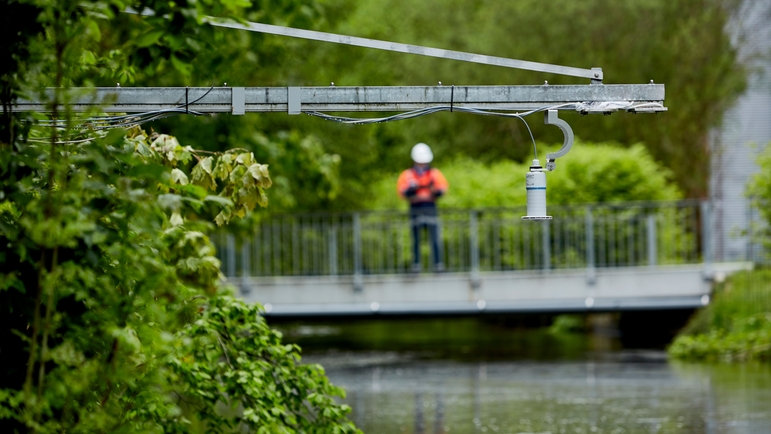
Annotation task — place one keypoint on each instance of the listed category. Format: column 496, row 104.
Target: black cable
column 452, row 96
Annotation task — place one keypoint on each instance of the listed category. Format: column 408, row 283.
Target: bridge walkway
column 594, row 257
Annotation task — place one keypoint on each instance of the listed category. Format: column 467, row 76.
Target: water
column 580, row 384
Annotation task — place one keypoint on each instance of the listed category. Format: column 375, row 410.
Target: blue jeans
column 420, row 219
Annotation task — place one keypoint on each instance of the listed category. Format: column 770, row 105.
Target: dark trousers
column 420, row 219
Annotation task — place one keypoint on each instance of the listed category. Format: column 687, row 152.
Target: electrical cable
column 130, row 120
column 100, row 123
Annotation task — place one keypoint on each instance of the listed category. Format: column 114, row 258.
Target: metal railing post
column 474, row 248
column 546, row 242
column 332, row 250
column 590, row 268
column 231, row 255
column 706, row 239
column 358, row 280
column 246, row 263
column 246, row 260
column 652, row 252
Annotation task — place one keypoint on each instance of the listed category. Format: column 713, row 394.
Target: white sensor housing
column 535, row 183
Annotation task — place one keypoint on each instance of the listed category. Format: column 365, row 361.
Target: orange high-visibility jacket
column 429, row 178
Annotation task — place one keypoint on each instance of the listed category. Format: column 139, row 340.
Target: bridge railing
column 477, row 240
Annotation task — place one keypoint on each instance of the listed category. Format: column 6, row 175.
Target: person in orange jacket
column 422, row 185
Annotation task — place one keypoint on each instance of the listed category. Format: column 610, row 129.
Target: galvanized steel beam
column 361, row 98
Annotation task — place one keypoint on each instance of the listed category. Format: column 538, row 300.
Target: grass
column 736, row 326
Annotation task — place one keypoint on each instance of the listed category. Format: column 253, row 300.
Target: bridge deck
column 571, row 290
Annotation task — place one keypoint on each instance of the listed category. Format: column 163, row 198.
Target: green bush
column 759, row 189
column 590, row 173
column 735, row 326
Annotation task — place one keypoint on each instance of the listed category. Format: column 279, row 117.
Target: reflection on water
column 622, row 393
column 511, row 375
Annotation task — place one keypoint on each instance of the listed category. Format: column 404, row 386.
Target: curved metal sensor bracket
column 551, row 118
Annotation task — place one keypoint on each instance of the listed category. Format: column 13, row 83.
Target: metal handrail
column 473, row 241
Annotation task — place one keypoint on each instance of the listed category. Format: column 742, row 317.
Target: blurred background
column 520, row 373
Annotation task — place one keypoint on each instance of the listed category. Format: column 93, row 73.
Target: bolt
column 651, row 82
column 596, row 75
column 332, row 83
column 440, row 83
column 117, row 84
column 225, row 84
column 545, row 82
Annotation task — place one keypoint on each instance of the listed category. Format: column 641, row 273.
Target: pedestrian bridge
column 626, row 256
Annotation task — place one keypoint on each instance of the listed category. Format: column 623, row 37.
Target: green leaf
column 176, row 219
column 179, row 177
column 87, row 58
column 170, row 201
column 206, row 164
column 183, row 67
column 223, row 217
column 202, row 174
column 224, row 167
column 149, row 38
column 147, row 172
column 246, row 158
column 93, row 30
column 194, row 191
column 218, row 199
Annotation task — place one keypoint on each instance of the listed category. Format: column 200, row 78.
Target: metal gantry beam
column 294, row 100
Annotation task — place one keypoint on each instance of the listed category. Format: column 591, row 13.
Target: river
column 478, row 377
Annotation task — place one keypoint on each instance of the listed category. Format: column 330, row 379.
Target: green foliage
column 294, row 154
column 127, row 306
column 759, row 190
column 566, row 323
column 230, row 352
column 590, row 173
column 113, row 315
column 736, row 326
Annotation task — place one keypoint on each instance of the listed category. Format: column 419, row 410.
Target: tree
column 113, row 314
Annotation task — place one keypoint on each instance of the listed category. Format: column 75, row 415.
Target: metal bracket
column 238, row 100
column 294, row 100
column 551, row 118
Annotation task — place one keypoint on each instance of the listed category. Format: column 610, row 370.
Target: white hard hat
column 422, row 154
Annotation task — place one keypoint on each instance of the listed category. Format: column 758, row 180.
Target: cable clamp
column 294, row 100
column 238, row 100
